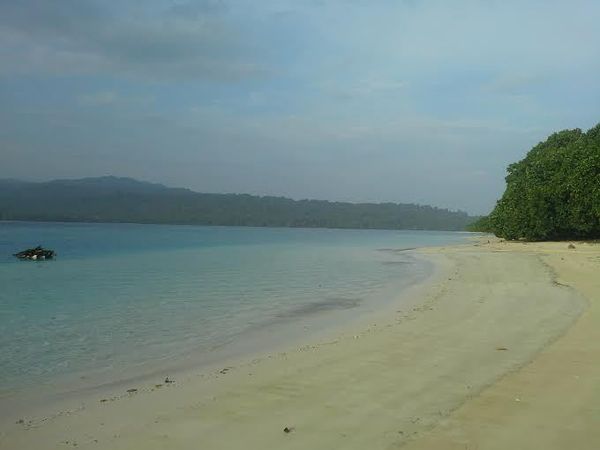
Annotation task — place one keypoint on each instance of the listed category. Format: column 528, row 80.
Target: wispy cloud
column 98, row 98
column 514, row 83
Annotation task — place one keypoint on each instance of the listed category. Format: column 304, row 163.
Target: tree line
column 110, row 199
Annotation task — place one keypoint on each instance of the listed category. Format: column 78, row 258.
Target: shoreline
column 37, row 404
column 405, row 374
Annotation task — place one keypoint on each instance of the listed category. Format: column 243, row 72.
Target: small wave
column 396, row 250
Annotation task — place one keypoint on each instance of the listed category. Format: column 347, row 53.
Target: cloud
column 421, row 100
column 198, row 8
column 185, row 41
column 361, row 88
column 98, row 98
column 514, row 83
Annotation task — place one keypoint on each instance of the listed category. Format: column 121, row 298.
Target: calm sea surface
column 122, row 299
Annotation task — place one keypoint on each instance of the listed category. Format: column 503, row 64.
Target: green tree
column 554, row 192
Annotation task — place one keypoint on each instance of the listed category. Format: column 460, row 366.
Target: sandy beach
column 501, row 350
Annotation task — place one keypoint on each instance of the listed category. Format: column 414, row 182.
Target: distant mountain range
column 112, row 199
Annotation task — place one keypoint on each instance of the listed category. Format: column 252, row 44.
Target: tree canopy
column 553, row 193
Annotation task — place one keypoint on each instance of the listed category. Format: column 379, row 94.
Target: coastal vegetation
column 111, row 199
column 553, row 193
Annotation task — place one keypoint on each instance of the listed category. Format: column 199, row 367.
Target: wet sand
column 501, row 351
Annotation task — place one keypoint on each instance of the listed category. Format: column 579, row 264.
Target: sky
column 409, row 101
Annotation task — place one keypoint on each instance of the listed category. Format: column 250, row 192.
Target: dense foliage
column 553, row 193
column 110, row 199
column 481, row 225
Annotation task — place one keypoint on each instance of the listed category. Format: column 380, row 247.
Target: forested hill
column 111, row 199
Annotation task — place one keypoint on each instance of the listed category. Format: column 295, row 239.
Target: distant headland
column 114, row 199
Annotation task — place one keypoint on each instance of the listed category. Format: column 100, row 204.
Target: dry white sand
column 554, row 401
column 497, row 355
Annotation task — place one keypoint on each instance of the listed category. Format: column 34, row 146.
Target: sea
column 123, row 300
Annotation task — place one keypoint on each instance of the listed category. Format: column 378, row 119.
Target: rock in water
column 36, row 254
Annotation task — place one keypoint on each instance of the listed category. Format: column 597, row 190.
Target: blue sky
column 404, row 101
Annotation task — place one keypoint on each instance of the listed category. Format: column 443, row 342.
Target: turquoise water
column 122, row 299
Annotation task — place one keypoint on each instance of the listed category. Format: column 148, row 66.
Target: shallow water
column 121, row 298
